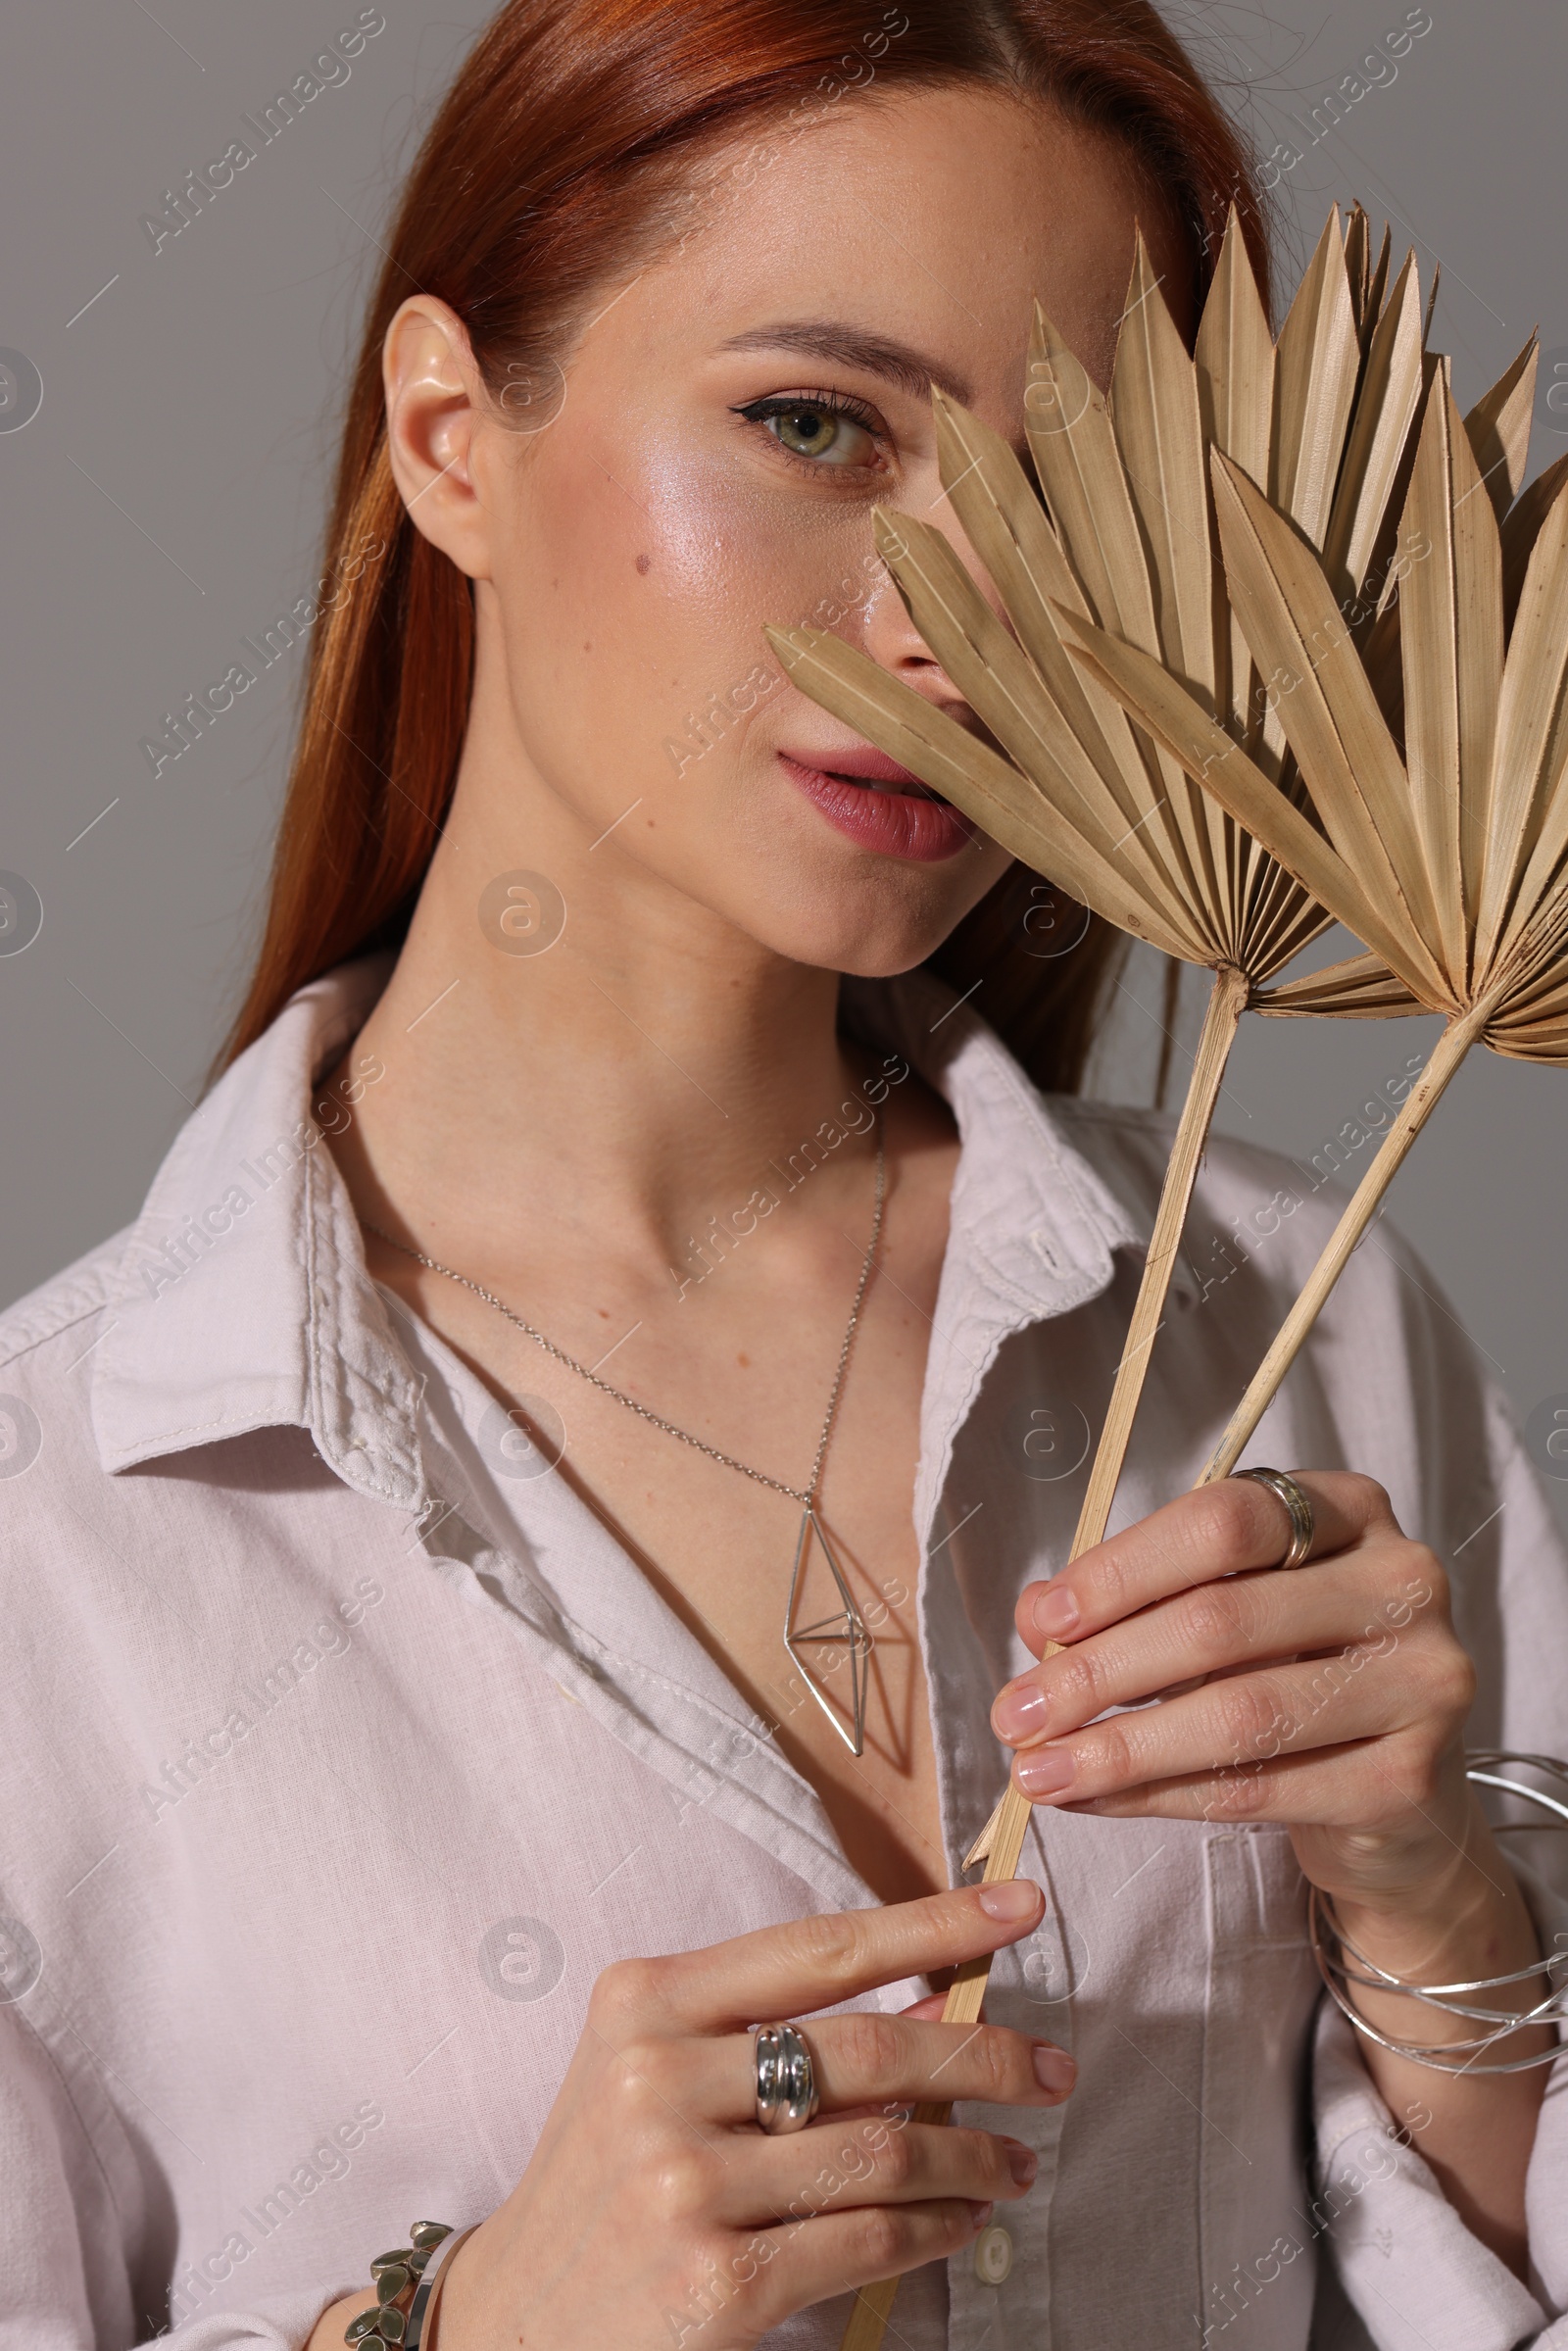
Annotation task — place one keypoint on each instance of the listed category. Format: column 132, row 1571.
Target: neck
column 640, row 1075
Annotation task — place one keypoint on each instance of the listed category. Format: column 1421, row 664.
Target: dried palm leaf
column 1467, row 891
column 1126, row 538
column 1126, row 541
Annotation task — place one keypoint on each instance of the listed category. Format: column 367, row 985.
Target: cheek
column 632, row 592
column 634, row 595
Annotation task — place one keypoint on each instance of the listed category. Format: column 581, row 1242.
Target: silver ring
column 786, row 2080
column 1304, row 1524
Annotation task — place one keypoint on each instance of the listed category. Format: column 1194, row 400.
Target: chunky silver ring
column 1304, row 1524
column 786, row 2080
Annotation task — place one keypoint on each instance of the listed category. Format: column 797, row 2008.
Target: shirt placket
column 999, row 2289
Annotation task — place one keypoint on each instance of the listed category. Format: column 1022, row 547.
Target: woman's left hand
column 1330, row 1699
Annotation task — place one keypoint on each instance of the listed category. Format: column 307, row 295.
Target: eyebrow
column 833, row 340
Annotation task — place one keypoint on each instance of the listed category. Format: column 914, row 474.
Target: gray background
column 165, row 501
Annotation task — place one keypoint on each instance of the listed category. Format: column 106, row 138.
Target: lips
column 878, row 803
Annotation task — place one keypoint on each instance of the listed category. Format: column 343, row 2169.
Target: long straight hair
column 574, row 140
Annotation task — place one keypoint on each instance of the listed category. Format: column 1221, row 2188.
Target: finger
column 1245, row 1719
column 838, row 2168
column 1378, row 1787
column 930, row 2008
column 808, row 2261
column 867, row 2059
column 812, row 1963
column 1214, row 1530
column 1209, row 1628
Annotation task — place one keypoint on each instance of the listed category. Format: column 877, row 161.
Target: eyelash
column 831, row 404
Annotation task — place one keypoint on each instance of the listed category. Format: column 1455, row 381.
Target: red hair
column 571, row 140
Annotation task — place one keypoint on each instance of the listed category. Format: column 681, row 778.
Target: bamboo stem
column 1227, row 1003
column 1420, row 1102
column 873, row 2304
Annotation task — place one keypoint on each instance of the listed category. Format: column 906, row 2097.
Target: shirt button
column 993, row 2256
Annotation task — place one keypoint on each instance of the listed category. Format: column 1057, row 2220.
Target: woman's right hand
column 654, row 2212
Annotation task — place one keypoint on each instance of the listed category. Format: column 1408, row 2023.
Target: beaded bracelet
column 408, row 2285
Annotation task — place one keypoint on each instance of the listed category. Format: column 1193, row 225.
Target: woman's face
column 728, row 422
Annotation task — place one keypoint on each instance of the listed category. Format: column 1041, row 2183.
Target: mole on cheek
column 642, row 561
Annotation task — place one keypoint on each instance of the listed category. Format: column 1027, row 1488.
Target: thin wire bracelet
column 1452, row 1997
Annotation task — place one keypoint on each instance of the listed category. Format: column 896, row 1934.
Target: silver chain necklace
column 848, row 1630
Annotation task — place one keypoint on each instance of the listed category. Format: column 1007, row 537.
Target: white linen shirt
column 339, row 1757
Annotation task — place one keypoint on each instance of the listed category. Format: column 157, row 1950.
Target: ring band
column 1303, row 1523
column 786, row 2080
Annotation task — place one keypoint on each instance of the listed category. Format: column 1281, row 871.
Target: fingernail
column 1023, row 2162
column 1009, row 1898
column 1045, row 1771
column 1055, row 1612
column 1054, row 2068
column 1019, row 1713
column 981, row 2214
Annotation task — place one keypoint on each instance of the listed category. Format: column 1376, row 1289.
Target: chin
column 853, row 889
column 872, row 927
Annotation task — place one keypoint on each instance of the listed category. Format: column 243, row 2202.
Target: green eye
column 816, row 429
column 810, row 431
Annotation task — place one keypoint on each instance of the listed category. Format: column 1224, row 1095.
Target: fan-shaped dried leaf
column 1487, row 738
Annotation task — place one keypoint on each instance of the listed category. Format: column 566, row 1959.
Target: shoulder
column 38, row 1324
column 47, row 1333
column 1241, row 1188
column 1387, row 1379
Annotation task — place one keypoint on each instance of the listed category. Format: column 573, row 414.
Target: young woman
column 629, row 1226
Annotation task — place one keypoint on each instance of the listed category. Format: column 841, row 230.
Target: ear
column 435, row 409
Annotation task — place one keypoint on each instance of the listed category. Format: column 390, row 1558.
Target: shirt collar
column 240, row 1298
column 1028, row 1209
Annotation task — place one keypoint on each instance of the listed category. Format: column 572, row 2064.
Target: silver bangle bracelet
column 1454, row 1999
column 422, row 2309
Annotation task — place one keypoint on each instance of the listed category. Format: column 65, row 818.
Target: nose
column 895, row 644
column 889, row 636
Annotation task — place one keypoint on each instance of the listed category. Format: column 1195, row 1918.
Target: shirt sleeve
column 77, row 2211
column 1405, row 2262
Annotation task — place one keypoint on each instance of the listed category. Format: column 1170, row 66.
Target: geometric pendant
column 844, row 1633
